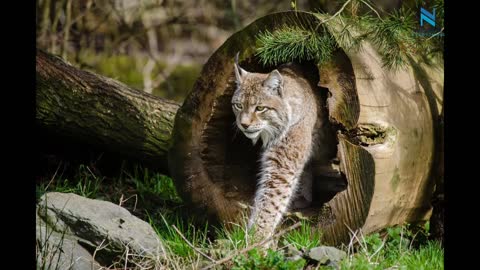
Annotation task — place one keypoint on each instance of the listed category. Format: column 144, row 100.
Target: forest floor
column 152, row 197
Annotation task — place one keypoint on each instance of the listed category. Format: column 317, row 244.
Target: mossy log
column 384, row 121
column 100, row 111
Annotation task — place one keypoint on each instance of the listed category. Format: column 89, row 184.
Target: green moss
column 121, row 67
column 128, row 70
column 179, row 83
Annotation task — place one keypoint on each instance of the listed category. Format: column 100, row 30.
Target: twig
column 56, row 18
column 336, row 14
column 413, row 238
column 363, row 239
column 45, row 21
column 343, row 7
column 356, row 237
column 53, row 177
column 192, row 246
column 368, row 5
column 78, row 17
column 228, row 258
column 126, row 258
column 351, row 243
column 66, row 34
column 436, row 34
column 99, row 247
column 381, row 246
column 122, row 201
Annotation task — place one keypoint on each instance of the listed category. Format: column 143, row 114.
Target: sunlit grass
column 395, row 248
column 305, row 237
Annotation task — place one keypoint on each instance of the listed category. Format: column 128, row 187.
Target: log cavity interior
column 232, row 162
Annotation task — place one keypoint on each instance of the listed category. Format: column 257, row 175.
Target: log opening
column 232, row 162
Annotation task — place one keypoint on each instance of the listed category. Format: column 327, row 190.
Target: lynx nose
column 245, row 121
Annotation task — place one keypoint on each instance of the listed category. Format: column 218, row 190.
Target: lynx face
column 258, row 105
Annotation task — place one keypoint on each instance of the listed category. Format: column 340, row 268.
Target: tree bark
column 384, row 121
column 101, row 111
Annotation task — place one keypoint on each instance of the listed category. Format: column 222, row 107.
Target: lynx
column 281, row 110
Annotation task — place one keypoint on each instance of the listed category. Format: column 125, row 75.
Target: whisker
column 235, row 130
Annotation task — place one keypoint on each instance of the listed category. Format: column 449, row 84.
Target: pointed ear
column 274, row 82
column 239, row 72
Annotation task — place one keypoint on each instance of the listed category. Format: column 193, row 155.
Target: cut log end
column 383, row 155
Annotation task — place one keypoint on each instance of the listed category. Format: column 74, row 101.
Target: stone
column 326, row 255
column 292, row 253
column 95, row 222
column 56, row 250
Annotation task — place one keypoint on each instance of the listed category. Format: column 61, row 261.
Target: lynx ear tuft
column 239, row 72
column 274, row 82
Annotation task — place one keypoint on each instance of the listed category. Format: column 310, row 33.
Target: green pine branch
column 394, row 36
column 294, row 43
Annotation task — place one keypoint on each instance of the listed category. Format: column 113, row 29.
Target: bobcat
column 282, row 110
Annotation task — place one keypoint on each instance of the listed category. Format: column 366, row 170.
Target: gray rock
column 61, row 251
column 292, row 253
column 327, row 255
column 93, row 222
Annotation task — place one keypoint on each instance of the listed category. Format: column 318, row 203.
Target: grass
column 84, row 183
column 137, row 181
column 303, row 238
column 49, row 254
column 395, row 251
column 148, row 184
column 157, row 202
column 163, row 226
column 271, row 260
column 399, row 248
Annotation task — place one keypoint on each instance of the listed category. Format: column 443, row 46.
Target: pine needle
column 395, row 37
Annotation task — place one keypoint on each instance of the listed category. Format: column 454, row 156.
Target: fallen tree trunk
column 385, row 123
column 101, row 111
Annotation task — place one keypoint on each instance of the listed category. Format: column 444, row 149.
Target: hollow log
column 384, row 122
column 100, row 111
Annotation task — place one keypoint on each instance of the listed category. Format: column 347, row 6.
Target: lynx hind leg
column 303, row 197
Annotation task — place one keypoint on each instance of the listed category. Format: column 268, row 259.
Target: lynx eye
column 237, row 106
column 261, row 108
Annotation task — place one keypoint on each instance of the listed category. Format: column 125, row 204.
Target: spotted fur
column 280, row 109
